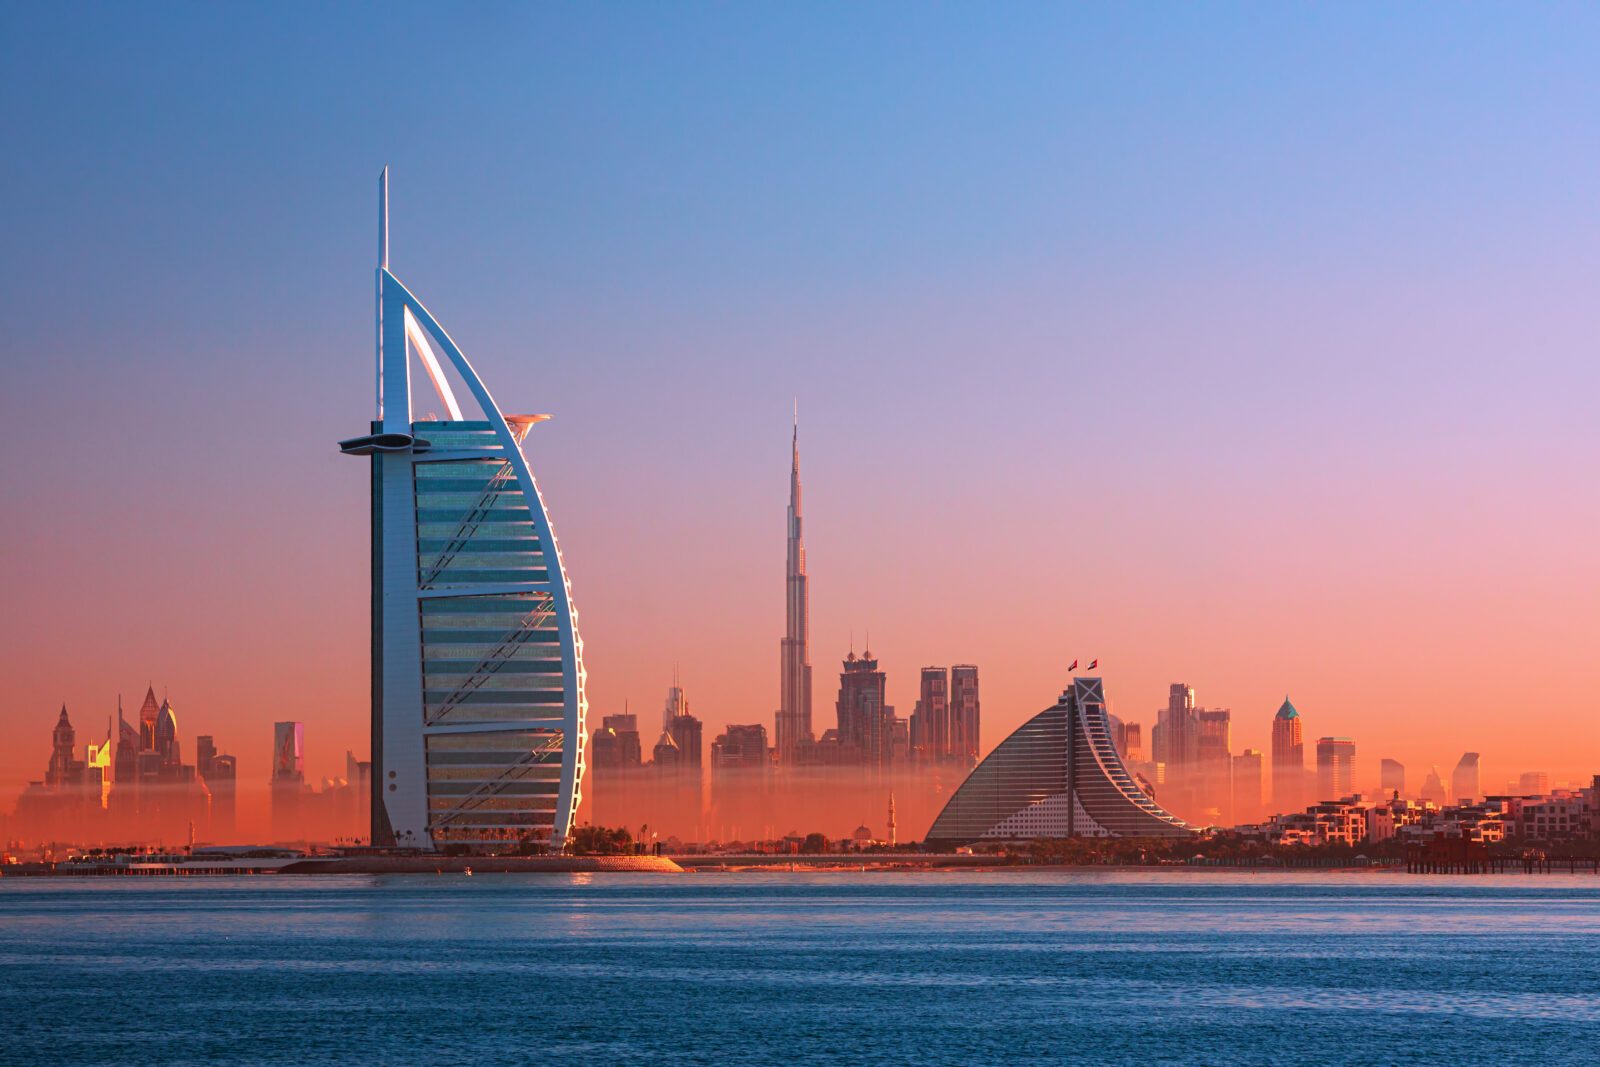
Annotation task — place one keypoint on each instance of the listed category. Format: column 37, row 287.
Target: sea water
column 1126, row 967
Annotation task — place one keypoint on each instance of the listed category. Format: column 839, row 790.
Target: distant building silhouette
column 865, row 718
column 615, row 745
column 1336, row 759
column 221, row 774
column 1249, row 784
column 965, row 744
column 741, row 786
column 288, row 783
column 1465, row 784
column 740, row 747
column 131, row 787
column 1433, row 790
column 930, row 717
column 794, row 698
column 1392, row 777
column 1175, row 740
column 1288, row 759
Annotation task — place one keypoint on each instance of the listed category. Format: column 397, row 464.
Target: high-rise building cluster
column 1197, row 776
column 341, row 809
column 1191, row 760
column 663, row 791
column 867, row 751
column 133, row 786
column 944, row 727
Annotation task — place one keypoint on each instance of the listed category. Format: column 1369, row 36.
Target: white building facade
column 478, row 706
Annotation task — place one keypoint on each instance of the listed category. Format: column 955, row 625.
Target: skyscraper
column 741, row 748
column 1288, row 759
column 288, row 778
column 221, row 775
column 148, row 713
column 614, row 763
column 616, row 744
column 478, row 704
column 794, row 707
column 666, row 757
column 865, row 726
column 1249, row 780
column 1176, row 735
column 1392, row 777
column 1465, row 786
column 64, row 769
column 1433, row 787
column 1336, row 759
column 1214, row 761
column 677, row 761
column 689, row 736
column 965, row 743
column 930, row 719
column 1534, row 783
column 741, row 780
column 1213, row 741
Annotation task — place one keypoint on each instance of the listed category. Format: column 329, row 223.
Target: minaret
column 794, row 707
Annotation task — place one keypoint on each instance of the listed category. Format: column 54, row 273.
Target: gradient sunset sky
column 1253, row 347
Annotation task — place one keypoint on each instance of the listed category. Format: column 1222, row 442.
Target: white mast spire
column 383, row 217
column 383, row 265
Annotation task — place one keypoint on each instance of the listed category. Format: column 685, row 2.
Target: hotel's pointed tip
column 383, row 217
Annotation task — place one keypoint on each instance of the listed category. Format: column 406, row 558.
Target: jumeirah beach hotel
column 1057, row 775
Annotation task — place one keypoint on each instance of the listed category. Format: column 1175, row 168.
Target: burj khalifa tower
column 794, row 707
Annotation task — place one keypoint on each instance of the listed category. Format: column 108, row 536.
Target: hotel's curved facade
column 478, row 707
column 1057, row 775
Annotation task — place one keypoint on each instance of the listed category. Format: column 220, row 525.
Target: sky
column 1251, row 347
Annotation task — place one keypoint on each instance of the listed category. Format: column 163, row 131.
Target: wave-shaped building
column 1057, row 775
column 478, row 700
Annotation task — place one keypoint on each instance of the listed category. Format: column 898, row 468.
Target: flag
column 1074, row 666
column 1093, row 664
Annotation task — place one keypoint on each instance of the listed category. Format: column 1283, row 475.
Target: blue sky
column 1183, row 286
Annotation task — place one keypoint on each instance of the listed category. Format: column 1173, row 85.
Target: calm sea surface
column 1136, row 968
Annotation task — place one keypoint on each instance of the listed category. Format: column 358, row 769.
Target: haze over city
column 1222, row 366
column 1076, row 533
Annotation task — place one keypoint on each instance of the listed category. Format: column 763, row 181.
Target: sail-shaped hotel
column 478, row 701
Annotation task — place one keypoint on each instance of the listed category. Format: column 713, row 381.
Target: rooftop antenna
column 383, row 266
column 383, row 218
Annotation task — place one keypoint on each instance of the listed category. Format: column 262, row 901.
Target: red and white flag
column 1093, row 664
column 1074, row 666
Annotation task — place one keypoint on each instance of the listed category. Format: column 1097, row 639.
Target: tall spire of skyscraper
column 794, row 707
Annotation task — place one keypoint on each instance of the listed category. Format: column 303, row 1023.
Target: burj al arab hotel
column 478, row 701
